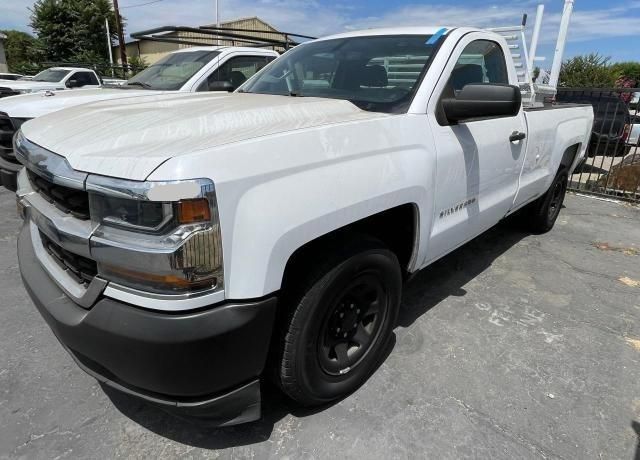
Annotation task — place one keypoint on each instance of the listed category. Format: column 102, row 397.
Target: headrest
column 237, row 78
column 374, row 76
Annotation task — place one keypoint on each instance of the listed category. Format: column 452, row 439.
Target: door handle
column 517, row 136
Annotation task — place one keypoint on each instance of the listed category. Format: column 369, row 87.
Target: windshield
column 173, row 71
column 51, row 75
column 377, row 73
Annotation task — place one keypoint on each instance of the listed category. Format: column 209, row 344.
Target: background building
column 151, row 51
column 3, row 57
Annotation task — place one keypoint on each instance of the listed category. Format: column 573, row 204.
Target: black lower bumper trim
column 205, row 362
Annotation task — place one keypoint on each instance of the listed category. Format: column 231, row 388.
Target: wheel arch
column 398, row 228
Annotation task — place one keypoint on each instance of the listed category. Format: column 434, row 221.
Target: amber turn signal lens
column 161, row 281
column 190, row 211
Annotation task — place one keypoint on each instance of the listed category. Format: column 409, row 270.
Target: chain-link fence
column 612, row 165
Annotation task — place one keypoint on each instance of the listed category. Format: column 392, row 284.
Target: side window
column 93, row 80
column 84, row 78
column 236, row 70
column 482, row 61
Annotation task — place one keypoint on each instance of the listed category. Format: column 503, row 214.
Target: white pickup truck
column 204, row 68
column 183, row 247
column 52, row 79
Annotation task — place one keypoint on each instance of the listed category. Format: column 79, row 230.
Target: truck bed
column 555, row 106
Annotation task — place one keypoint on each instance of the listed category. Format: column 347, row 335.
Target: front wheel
column 340, row 324
column 540, row 216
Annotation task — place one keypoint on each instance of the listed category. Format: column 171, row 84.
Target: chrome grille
column 7, row 130
column 79, row 268
column 66, row 199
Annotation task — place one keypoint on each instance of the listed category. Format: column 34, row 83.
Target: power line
column 141, row 4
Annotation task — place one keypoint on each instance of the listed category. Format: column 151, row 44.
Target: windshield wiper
column 139, row 83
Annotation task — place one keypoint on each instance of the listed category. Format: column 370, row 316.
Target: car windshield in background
column 51, row 75
column 173, row 71
column 376, row 73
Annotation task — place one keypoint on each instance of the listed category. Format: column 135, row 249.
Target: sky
column 608, row 27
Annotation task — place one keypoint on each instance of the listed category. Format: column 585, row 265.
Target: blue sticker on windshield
column 435, row 37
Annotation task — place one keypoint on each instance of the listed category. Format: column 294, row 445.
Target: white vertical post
column 217, row 21
column 106, row 23
column 560, row 45
column 535, row 37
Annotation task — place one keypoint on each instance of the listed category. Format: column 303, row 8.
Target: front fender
column 300, row 209
column 277, row 193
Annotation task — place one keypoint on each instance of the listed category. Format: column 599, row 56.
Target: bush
column 137, row 64
column 629, row 71
column 589, row 71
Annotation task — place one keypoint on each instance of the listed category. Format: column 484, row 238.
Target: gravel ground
column 514, row 346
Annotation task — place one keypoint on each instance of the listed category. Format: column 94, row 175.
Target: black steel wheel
column 340, row 322
column 558, row 191
column 541, row 215
column 352, row 325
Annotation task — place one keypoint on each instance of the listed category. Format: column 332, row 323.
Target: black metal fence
column 612, row 165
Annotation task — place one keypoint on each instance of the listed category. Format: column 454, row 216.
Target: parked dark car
column 610, row 123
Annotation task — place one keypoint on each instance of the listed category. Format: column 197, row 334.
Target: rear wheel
column 340, row 323
column 540, row 216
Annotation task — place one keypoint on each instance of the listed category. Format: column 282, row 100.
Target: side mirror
column 222, row 85
column 483, row 100
column 73, row 83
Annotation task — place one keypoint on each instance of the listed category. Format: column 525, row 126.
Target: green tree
column 22, row 51
column 137, row 64
column 629, row 70
column 589, row 71
column 72, row 30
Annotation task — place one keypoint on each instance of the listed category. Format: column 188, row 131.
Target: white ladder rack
column 517, row 44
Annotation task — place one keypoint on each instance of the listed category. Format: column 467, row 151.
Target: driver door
column 477, row 165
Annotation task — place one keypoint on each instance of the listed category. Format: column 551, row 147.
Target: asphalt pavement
column 514, row 346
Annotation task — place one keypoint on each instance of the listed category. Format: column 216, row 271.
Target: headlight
column 158, row 237
column 25, row 91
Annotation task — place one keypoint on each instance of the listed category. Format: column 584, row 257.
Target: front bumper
column 9, row 174
column 204, row 363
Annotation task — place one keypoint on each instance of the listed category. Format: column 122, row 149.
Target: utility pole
column 106, row 23
column 123, row 50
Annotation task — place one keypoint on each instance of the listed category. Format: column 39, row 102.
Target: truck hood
column 32, row 85
column 129, row 138
column 38, row 104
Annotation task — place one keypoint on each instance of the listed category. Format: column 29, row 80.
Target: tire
column 540, row 216
column 340, row 323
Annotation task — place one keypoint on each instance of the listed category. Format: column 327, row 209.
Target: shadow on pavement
column 275, row 406
column 445, row 277
column 198, row 434
column 587, row 168
column 431, row 286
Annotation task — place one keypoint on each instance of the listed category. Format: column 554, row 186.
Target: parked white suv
column 211, row 68
column 183, row 247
